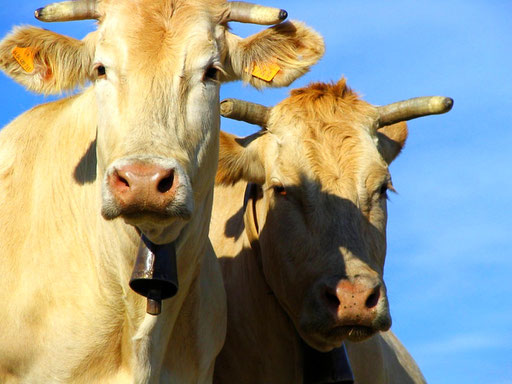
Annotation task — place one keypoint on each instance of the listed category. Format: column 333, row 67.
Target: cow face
column 156, row 68
column 321, row 219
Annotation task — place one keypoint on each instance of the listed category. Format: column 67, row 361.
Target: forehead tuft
column 316, row 90
column 334, row 126
column 322, row 109
column 328, row 102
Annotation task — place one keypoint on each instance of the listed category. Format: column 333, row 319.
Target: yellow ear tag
column 25, row 58
column 265, row 72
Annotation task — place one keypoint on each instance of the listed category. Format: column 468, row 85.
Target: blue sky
column 449, row 262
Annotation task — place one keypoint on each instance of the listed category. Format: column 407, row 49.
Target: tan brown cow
column 303, row 256
column 82, row 177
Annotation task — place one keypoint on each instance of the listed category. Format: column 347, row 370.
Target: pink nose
column 355, row 302
column 141, row 187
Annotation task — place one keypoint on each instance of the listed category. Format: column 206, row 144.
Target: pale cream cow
column 303, row 254
column 82, row 177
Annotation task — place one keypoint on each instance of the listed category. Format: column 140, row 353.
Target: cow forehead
column 154, row 32
column 158, row 11
column 337, row 158
column 326, row 133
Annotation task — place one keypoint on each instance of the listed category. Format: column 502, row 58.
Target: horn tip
column 283, row 14
column 226, row 107
column 448, row 103
column 38, row 12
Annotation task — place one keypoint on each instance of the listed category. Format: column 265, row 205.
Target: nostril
column 332, row 299
column 120, row 182
column 166, row 183
column 373, row 299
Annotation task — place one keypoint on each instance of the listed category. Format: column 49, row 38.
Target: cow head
column 156, row 67
column 320, row 221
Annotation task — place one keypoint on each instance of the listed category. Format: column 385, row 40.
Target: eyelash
column 383, row 191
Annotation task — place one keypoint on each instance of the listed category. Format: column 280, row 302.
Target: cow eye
column 212, row 73
column 101, row 71
column 279, row 190
column 384, row 190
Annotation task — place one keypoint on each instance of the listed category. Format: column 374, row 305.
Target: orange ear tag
column 265, row 72
column 25, row 58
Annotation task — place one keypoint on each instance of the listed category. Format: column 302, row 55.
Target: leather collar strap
column 252, row 194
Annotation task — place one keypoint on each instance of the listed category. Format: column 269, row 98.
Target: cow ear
column 274, row 57
column 44, row 61
column 391, row 140
column 241, row 158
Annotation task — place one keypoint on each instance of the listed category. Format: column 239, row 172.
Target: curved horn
column 251, row 113
column 256, row 14
column 413, row 108
column 68, row 11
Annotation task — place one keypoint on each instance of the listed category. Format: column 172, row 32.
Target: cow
column 132, row 156
column 299, row 226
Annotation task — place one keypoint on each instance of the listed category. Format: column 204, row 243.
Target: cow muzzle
column 146, row 190
column 348, row 309
column 358, row 306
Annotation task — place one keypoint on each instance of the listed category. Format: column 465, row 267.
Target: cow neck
column 318, row 368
